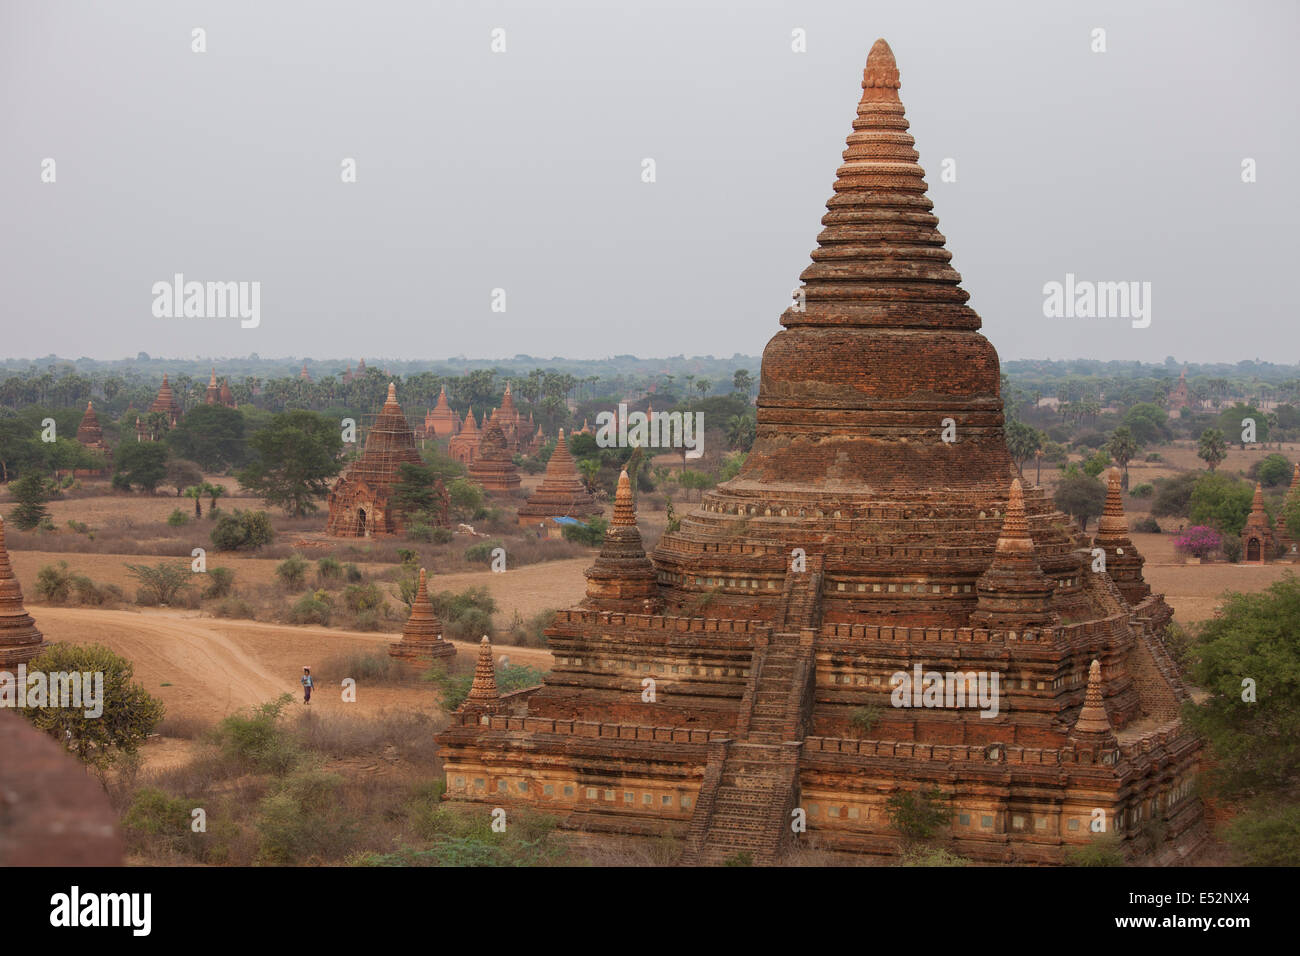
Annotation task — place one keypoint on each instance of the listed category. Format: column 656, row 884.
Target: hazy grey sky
column 522, row 170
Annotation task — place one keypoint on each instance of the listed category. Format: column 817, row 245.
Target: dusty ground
column 207, row 668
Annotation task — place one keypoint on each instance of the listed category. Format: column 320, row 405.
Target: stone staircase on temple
column 751, row 784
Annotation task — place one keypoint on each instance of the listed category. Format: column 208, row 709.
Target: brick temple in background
column 744, row 671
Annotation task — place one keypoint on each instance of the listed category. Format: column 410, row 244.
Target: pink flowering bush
column 1198, row 541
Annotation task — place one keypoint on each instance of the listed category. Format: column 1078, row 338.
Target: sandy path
column 207, row 668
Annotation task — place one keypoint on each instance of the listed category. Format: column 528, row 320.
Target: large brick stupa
column 820, row 633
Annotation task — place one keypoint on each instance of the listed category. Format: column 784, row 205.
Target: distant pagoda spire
column 165, row 403
column 89, row 432
column 493, row 467
column 561, row 493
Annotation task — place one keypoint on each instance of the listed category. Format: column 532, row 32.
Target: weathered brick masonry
column 745, row 668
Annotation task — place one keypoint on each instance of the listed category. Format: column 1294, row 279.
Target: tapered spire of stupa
column 1111, row 525
column 484, row 688
column 624, row 512
column 1014, row 592
column 1093, row 723
column 1123, row 560
column 422, row 641
column 880, row 348
column 881, row 259
column 623, row 579
column 561, row 493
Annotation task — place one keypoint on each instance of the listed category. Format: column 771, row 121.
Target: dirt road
column 206, row 667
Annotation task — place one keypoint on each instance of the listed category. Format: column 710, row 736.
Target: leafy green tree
column 195, row 492
column 1174, row 495
column 1222, row 502
column 182, row 474
column 420, row 495
column 129, row 713
column 1212, row 449
column 141, row 465
column 1122, row 447
column 297, row 455
column 696, row 481
column 1080, row 496
column 1248, row 659
column 1272, row 471
column 211, row 435
column 1148, row 423
column 466, row 498
column 164, row 581
column 32, row 493
column 1098, row 463
column 1268, row 833
column 242, row 531
column 1230, row 421
column 742, row 381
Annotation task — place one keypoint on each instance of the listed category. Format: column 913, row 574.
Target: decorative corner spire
column 484, row 687
column 624, row 510
column 1111, row 524
column 1015, row 524
column 1093, row 720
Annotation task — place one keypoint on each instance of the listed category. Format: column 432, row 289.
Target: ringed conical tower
column 422, row 642
column 880, row 434
column 360, row 504
column 165, row 403
column 875, row 538
column 561, row 493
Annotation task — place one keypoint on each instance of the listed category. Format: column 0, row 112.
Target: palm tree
column 1122, row 448
column 1212, row 448
column 213, row 491
column 195, row 492
column 589, row 467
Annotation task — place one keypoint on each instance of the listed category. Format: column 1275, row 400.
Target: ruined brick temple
column 361, row 502
column 747, row 669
